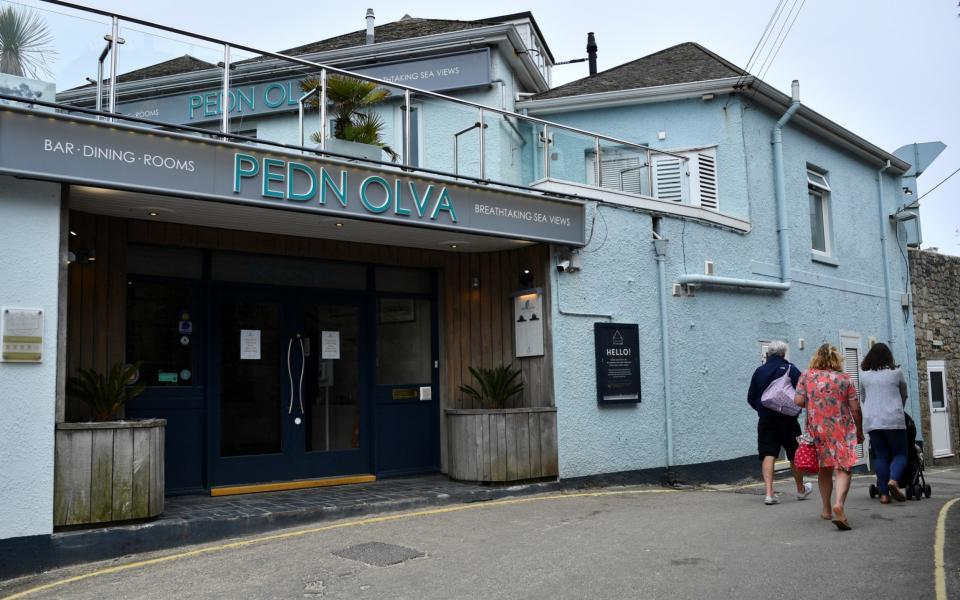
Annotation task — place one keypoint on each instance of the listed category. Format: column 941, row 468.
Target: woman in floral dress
column 835, row 424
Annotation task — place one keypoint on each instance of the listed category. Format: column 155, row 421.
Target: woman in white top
column 884, row 396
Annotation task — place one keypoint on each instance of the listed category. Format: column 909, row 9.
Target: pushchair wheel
column 918, row 491
column 927, row 490
column 873, row 490
column 909, row 492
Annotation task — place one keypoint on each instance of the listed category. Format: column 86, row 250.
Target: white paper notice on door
column 249, row 344
column 330, row 345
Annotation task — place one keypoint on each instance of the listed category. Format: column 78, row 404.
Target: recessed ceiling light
column 72, row 232
column 339, row 224
column 153, row 213
column 454, row 246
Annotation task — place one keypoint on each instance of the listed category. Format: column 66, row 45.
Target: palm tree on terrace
column 25, row 43
column 351, row 101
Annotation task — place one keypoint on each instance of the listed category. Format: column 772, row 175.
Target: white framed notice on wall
column 21, row 335
column 528, row 323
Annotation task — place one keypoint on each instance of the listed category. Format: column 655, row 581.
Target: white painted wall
column 29, row 247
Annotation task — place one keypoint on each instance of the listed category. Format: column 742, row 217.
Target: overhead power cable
column 781, row 37
column 764, row 71
column 942, row 181
column 760, row 43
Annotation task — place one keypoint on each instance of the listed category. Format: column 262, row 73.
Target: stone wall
column 935, row 282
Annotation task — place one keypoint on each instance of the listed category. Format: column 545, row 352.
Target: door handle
column 290, row 375
column 303, row 367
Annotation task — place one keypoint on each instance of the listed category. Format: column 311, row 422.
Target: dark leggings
column 890, row 448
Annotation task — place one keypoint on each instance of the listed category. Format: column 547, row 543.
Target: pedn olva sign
column 100, row 154
column 301, row 182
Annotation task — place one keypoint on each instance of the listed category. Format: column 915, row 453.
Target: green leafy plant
column 105, row 393
column 497, row 386
column 350, row 101
column 25, row 43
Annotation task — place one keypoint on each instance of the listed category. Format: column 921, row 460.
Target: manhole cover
column 378, row 554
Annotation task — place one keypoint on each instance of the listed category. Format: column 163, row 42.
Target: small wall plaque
column 21, row 335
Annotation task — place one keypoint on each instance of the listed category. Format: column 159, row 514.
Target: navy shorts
column 774, row 433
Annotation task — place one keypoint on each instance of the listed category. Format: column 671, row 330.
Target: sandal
column 896, row 492
column 840, row 520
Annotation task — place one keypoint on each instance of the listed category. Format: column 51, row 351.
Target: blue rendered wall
column 439, row 120
column 29, row 261
column 714, row 336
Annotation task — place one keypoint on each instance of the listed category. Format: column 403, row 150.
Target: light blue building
column 737, row 274
column 307, row 311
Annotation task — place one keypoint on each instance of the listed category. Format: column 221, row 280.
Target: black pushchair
column 912, row 482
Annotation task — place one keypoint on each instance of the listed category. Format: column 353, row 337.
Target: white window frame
column 817, row 185
column 619, row 153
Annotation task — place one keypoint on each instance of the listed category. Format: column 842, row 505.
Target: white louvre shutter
column 668, row 173
column 851, row 366
column 622, row 174
column 707, row 178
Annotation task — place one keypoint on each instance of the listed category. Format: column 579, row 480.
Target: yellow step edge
column 300, row 484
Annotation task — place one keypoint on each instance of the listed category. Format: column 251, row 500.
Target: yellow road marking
column 303, row 532
column 939, row 573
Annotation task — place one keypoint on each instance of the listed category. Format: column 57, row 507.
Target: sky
column 887, row 70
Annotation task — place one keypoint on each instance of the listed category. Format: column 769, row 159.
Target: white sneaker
column 771, row 500
column 807, row 490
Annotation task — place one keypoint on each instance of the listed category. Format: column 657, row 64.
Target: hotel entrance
column 289, row 387
column 281, row 368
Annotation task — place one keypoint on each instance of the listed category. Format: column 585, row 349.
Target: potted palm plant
column 357, row 129
column 497, row 442
column 25, row 54
column 108, row 469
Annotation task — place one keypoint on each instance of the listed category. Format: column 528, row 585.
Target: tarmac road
column 613, row 543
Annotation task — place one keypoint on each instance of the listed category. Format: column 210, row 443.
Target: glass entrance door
column 289, row 387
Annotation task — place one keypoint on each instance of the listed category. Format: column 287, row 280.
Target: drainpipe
column 783, row 227
column 660, row 247
column 779, row 189
column 883, row 250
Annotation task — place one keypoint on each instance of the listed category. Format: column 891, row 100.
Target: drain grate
column 378, row 554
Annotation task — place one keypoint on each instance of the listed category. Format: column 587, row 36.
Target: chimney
column 592, row 53
column 369, row 26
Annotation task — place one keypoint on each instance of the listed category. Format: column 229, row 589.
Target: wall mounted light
column 475, row 282
column 526, row 278
column 907, row 191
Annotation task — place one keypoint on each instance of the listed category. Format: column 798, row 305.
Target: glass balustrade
column 176, row 81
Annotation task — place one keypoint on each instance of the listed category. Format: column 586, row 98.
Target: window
column 414, row 133
column 850, row 351
column 692, row 181
column 161, row 331
column 818, row 192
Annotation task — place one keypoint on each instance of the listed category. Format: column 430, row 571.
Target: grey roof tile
column 684, row 63
column 405, row 28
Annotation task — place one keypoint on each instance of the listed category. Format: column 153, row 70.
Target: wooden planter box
column 110, row 471
column 508, row 444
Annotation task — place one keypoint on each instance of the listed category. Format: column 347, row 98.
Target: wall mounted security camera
column 563, row 265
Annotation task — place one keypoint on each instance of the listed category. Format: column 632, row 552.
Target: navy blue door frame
column 387, row 427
